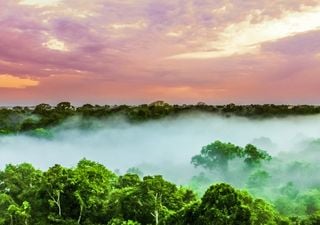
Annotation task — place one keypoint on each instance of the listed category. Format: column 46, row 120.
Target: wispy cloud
column 245, row 37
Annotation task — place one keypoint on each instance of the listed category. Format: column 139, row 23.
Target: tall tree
column 221, row 205
column 93, row 184
column 255, row 156
column 54, row 182
column 217, row 156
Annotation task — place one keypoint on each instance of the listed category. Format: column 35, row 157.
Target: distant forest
column 22, row 119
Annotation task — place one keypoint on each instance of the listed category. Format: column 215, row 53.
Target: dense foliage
column 91, row 194
column 20, row 119
column 217, row 155
column 277, row 191
column 289, row 186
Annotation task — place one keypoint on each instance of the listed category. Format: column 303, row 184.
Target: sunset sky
column 179, row 51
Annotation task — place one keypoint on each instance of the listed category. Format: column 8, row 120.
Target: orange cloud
column 9, row 81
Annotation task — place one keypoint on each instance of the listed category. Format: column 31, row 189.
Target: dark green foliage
column 188, row 215
column 135, row 170
column 218, row 154
column 221, row 205
column 29, row 124
column 41, row 133
column 4, row 132
column 129, row 180
column 312, row 220
column 254, row 156
column 18, row 119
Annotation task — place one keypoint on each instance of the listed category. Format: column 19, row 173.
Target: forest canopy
column 89, row 193
column 231, row 183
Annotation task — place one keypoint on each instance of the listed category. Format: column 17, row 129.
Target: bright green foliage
column 92, row 183
column 262, row 213
column 122, row 222
column 129, row 180
column 20, row 214
column 5, row 202
column 90, row 194
column 20, row 182
column 54, row 183
column 148, row 201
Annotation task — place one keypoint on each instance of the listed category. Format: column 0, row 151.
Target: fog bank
column 161, row 146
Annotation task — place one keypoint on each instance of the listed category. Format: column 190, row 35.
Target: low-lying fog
column 158, row 147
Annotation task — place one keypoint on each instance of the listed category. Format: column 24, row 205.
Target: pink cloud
column 117, row 51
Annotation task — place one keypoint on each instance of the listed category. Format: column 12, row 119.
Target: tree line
column 22, row 119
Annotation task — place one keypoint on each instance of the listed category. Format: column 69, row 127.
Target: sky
column 179, row 51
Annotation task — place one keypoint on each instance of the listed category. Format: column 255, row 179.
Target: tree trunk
column 57, row 202
column 11, row 220
column 156, row 213
column 157, row 203
column 80, row 215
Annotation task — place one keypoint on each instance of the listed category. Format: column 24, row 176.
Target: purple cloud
column 126, row 44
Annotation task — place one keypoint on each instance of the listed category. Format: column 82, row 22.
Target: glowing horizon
column 136, row 51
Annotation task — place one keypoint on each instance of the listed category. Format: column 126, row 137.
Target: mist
column 161, row 146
